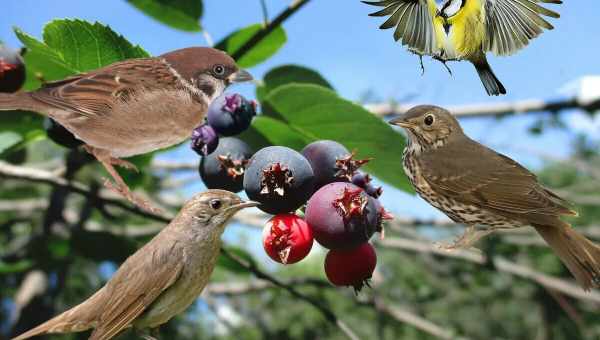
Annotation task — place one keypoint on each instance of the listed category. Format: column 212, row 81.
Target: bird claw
column 124, row 164
column 131, row 197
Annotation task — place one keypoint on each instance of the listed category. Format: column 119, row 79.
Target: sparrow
column 485, row 190
column 466, row 29
column 161, row 279
column 134, row 106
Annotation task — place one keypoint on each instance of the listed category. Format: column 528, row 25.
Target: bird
column 487, row 191
column 458, row 30
column 161, row 279
column 134, row 106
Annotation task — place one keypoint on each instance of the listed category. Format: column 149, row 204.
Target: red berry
column 287, row 238
column 351, row 267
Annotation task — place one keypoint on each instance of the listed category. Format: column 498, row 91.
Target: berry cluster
column 342, row 211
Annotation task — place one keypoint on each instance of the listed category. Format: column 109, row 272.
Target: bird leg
column 119, row 186
column 154, row 333
column 467, row 239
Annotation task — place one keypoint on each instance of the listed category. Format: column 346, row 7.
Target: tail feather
column 18, row 101
column 580, row 255
column 492, row 85
column 77, row 319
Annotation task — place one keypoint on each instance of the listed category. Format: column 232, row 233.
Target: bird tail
column 492, row 85
column 18, row 101
column 77, row 319
column 580, row 255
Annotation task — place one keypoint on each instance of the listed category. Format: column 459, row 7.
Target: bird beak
column 240, row 76
column 400, row 121
column 244, row 204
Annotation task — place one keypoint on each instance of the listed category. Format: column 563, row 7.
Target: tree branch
column 390, row 110
column 260, row 35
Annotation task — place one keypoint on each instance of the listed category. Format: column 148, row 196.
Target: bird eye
column 219, row 70
column 215, row 204
column 429, row 119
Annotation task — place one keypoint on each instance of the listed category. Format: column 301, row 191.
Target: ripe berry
column 12, row 70
column 204, row 140
column 342, row 215
column 364, row 181
column 351, row 267
column 60, row 135
column 331, row 162
column 231, row 114
column 224, row 168
column 287, row 238
column 279, row 178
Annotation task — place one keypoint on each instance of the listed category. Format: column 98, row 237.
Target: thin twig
column 265, row 12
column 327, row 313
column 260, row 35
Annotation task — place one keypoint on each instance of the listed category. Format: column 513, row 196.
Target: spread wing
column 511, row 24
column 138, row 283
column 413, row 22
column 94, row 93
column 487, row 179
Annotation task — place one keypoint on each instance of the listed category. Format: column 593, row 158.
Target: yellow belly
column 467, row 31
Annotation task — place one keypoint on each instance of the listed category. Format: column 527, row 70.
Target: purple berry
column 60, row 135
column 279, row 178
column 361, row 179
column 231, row 114
column 12, row 70
column 225, row 167
column 331, row 162
column 342, row 215
column 204, row 140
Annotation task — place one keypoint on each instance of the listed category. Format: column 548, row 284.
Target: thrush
column 134, row 106
column 487, row 191
column 161, row 279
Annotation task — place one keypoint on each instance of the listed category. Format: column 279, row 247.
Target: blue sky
column 338, row 39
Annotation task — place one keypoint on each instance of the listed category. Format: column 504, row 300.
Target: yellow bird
column 466, row 29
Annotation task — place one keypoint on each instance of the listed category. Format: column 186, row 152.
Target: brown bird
column 134, row 106
column 477, row 186
column 161, row 279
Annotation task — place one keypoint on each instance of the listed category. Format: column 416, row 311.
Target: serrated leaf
column 180, row 14
column 289, row 74
column 262, row 51
column 317, row 113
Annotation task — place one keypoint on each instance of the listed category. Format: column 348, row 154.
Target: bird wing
column 511, row 24
column 482, row 177
column 137, row 284
column 94, row 93
column 414, row 22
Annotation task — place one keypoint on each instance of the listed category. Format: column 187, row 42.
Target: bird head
column 209, row 211
column 208, row 70
column 428, row 126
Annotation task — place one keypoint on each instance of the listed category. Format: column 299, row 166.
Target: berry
column 364, row 181
column 279, row 178
column 331, row 162
column 374, row 191
column 204, row 140
column 60, row 135
column 342, row 215
column 351, row 267
column 225, row 167
column 231, row 114
column 380, row 215
column 287, row 238
column 12, row 70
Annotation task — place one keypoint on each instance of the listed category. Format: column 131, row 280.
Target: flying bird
column 466, row 29
column 134, row 106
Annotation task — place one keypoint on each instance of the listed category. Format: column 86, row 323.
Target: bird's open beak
column 244, row 204
column 400, row 121
column 240, row 76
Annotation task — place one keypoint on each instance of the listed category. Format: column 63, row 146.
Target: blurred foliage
column 78, row 242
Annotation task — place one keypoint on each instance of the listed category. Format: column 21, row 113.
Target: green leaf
column 92, row 245
column 289, row 74
column 229, row 264
column 262, row 51
column 267, row 131
column 16, row 267
column 317, row 113
column 8, row 139
column 180, row 14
